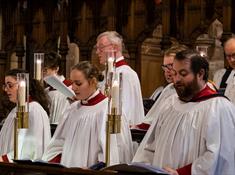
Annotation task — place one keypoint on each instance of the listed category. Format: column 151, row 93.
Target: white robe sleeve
column 33, row 141
column 56, row 144
column 166, row 92
column 218, row 77
column 121, row 150
column 131, row 96
column 220, row 154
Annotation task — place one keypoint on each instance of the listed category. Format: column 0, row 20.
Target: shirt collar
column 204, row 94
column 119, row 59
column 95, row 98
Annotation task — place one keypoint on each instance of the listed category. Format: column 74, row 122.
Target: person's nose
column 74, row 87
column 176, row 78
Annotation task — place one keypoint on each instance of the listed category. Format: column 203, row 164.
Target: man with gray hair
column 131, row 95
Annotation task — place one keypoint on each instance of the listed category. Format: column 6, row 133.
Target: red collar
column 95, row 100
column 66, row 83
column 30, row 99
column 204, row 94
column 121, row 63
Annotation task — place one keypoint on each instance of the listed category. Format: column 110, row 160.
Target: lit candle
column 202, row 53
column 38, row 69
column 22, row 93
column 110, row 64
column 115, row 95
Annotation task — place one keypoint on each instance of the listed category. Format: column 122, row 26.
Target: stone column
column 63, row 48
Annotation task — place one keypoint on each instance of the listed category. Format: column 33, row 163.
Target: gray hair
column 113, row 37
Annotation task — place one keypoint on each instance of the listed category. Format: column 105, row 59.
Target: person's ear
column 116, row 47
column 201, row 74
column 57, row 69
column 93, row 81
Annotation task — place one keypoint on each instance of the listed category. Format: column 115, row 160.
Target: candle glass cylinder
column 38, row 66
column 109, row 70
column 115, row 106
column 22, row 99
column 110, row 60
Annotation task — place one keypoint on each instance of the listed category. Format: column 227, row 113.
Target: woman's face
column 82, row 87
column 11, row 87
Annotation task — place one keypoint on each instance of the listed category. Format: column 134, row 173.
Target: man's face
column 103, row 45
column 185, row 82
column 167, row 66
column 230, row 52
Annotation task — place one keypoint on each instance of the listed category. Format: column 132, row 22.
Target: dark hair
column 90, row 71
column 38, row 94
column 52, row 60
column 14, row 72
column 197, row 62
column 36, row 91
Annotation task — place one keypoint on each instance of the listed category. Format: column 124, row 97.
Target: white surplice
column 201, row 133
column 230, row 88
column 218, row 77
column 59, row 103
column 132, row 101
column 32, row 141
column 166, row 92
column 80, row 137
column 156, row 93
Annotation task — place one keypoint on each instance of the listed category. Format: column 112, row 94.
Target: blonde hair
column 172, row 51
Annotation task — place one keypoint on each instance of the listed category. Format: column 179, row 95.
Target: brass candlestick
column 21, row 121
column 22, row 116
column 113, row 126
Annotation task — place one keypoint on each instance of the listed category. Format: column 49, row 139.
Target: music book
column 54, row 82
column 38, row 162
column 137, row 168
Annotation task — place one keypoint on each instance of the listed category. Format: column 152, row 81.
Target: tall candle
column 110, row 64
column 38, row 69
column 115, row 95
column 22, row 93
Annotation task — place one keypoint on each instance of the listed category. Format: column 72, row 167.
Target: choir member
column 225, row 78
column 192, row 132
column 79, row 140
column 59, row 102
column 32, row 141
column 132, row 96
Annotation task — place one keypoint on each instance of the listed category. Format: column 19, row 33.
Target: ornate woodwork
column 44, row 22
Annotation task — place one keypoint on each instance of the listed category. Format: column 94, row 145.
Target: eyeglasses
column 101, row 47
column 230, row 56
column 8, row 85
column 166, row 67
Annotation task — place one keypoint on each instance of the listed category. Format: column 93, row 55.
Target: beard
column 187, row 91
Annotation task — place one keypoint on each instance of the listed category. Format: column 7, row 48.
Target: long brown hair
column 36, row 91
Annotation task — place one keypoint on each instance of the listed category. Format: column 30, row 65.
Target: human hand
column 71, row 100
column 171, row 171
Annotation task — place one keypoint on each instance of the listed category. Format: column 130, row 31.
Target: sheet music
column 54, row 82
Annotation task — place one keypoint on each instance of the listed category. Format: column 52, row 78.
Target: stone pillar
column 227, row 19
column 19, row 36
column 165, row 43
column 63, row 48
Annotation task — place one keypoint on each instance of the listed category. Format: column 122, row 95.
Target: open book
column 136, row 168
column 54, row 82
column 38, row 162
